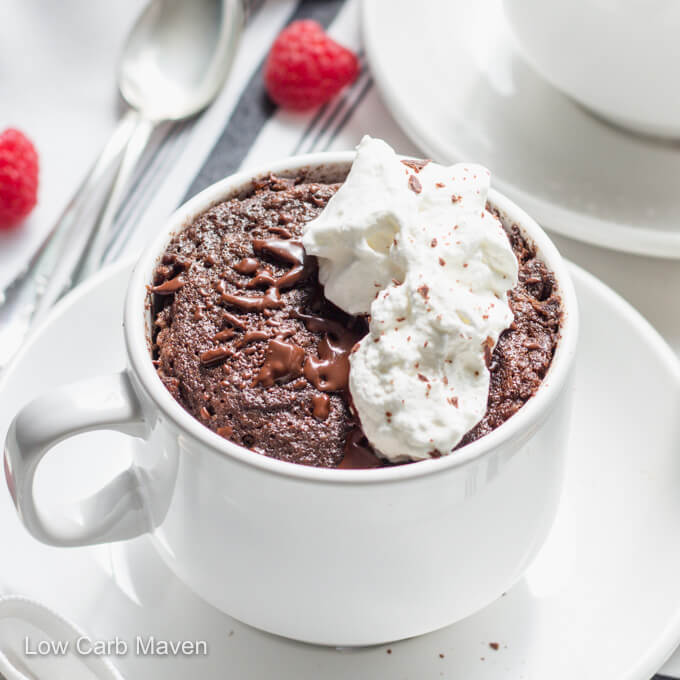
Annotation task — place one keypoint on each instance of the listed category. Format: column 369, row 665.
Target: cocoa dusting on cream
column 246, row 342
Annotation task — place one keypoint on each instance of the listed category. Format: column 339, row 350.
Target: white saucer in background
column 602, row 599
column 452, row 76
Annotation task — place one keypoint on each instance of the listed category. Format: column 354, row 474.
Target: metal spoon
column 173, row 64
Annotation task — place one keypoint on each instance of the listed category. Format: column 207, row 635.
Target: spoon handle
column 48, row 272
column 92, row 255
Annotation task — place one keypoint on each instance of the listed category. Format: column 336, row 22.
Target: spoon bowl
column 177, row 56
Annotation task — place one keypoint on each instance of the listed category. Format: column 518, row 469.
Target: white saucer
column 601, row 601
column 452, row 76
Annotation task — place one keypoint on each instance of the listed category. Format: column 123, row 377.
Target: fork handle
column 92, row 255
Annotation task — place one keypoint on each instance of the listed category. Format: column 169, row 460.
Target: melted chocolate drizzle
column 213, row 356
column 168, row 287
column 282, row 362
column 285, row 361
column 247, row 265
column 226, row 334
column 270, row 300
column 233, row 320
column 252, row 336
column 291, row 252
column 321, row 406
column 281, row 231
column 330, row 371
column 358, row 452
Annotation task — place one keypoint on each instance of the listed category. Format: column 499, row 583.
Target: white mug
column 329, row 556
column 618, row 58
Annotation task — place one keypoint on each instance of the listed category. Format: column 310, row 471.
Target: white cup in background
column 618, row 58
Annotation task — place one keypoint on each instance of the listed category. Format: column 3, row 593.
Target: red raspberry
column 18, row 177
column 306, row 68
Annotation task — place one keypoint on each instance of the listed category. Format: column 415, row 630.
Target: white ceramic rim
column 135, row 330
column 36, row 613
column 564, row 221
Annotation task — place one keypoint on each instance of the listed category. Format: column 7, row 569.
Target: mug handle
column 115, row 512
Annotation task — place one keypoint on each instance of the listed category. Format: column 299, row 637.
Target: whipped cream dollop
column 414, row 246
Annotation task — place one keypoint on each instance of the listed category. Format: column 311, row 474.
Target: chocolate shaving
column 414, row 164
column 414, row 184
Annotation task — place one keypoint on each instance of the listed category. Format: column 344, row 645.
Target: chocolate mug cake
column 252, row 338
column 246, row 341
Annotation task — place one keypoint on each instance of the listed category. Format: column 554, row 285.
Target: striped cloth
column 244, row 129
